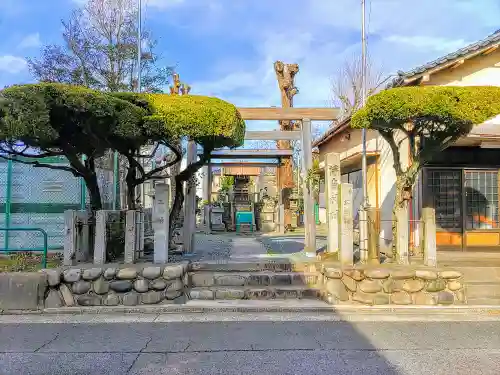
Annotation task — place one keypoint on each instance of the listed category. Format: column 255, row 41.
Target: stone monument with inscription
column 346, row 225
column 216, row 219
column 332, row 175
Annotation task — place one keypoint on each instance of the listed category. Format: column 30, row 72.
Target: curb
column 343, row 309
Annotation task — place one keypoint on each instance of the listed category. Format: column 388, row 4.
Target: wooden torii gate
column 304, row 134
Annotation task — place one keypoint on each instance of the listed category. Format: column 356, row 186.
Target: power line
column 363, row 101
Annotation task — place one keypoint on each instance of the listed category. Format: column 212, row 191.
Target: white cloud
column 12, row 64
column 31, row 41
column 164, row 4
column 320, row 35
column 426, row 42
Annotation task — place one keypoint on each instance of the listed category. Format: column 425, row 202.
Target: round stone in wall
column 349, row 283
column 173, row 272
column 126, row 274
column 454, row 285
column 159, row 284
column 101, row 286
column 130, row 299
column 402, row 274
column 175, row 285
column 401, row 298
column 450, row 274
column 151, row 297
column 89, row 300
column 413, row 286
column 426, row 274
column 151, row 272
column 110, row 273
column 332, row 273
column 141, row 285
column 53, row 277
column 121, row 286
column 460, row 296
column 370, row 286
column 445, row 298
column 91, row 274
column 53, row 299
column 72, row 275
column 355, row 274
column 172, row 294
column 111, row 299
column 378, row 273
column 381, row 299
column 422, row 298
column 68, row 298
column 81, row 287
column 436, row 285
column 363, row 298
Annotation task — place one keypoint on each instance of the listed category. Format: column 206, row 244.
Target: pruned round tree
column 429, row 119
column 49, row 119
column 210, row 122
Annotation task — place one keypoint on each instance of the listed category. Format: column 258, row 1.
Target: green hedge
column 454, row 106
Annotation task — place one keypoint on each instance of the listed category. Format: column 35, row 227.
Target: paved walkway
column 239, row 346
column 238, row 246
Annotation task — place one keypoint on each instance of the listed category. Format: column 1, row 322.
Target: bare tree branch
column 347, row 85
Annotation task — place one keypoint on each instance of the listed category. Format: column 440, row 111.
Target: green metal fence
column 36, row 198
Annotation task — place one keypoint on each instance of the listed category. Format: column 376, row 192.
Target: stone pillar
column 363, row 236
column 402, row 231
column 281, row 218
column 332, row 177
column 207, row 195
column 100, row 237
column 82, row 250
column 373, row 236
column 346, row 226
column 309, row 222
column 69, row 237
column 190, row 203
column 429, row 220
column 131, row 238
column 161, row 223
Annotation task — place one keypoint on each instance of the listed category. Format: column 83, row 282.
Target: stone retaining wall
column 397, row 286
column 108, row 286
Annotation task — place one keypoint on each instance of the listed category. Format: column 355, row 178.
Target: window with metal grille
column 446, row 190
column 481, row 192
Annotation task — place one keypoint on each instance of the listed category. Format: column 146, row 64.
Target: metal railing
column 44, row 249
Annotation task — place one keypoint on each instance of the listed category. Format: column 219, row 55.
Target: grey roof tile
column 482, row 44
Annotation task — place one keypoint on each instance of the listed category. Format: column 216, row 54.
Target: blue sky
column 227, row 48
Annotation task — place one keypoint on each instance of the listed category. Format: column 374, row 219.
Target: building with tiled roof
column 462, row 183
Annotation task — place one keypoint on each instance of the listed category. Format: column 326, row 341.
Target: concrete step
column 259, row 279
column 483, row 301
column 482, row 290
column 273, row 265
column 479, row 274
column 254, row 293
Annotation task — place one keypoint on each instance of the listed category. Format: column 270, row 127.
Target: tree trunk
column 130, row 180
column 286, row 182
column 176, row 207
column 401, row 203
column 94, row 191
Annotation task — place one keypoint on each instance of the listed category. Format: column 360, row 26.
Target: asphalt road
column 306, row 346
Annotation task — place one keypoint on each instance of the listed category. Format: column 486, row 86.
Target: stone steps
column 254, row 293
column 253, row 280
column 483, row 290
column 271, row 265
column 482, row 285
column 257, row 279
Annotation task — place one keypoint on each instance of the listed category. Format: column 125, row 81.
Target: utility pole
column 141, row 190
column 363, row 102
column 139, row 44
